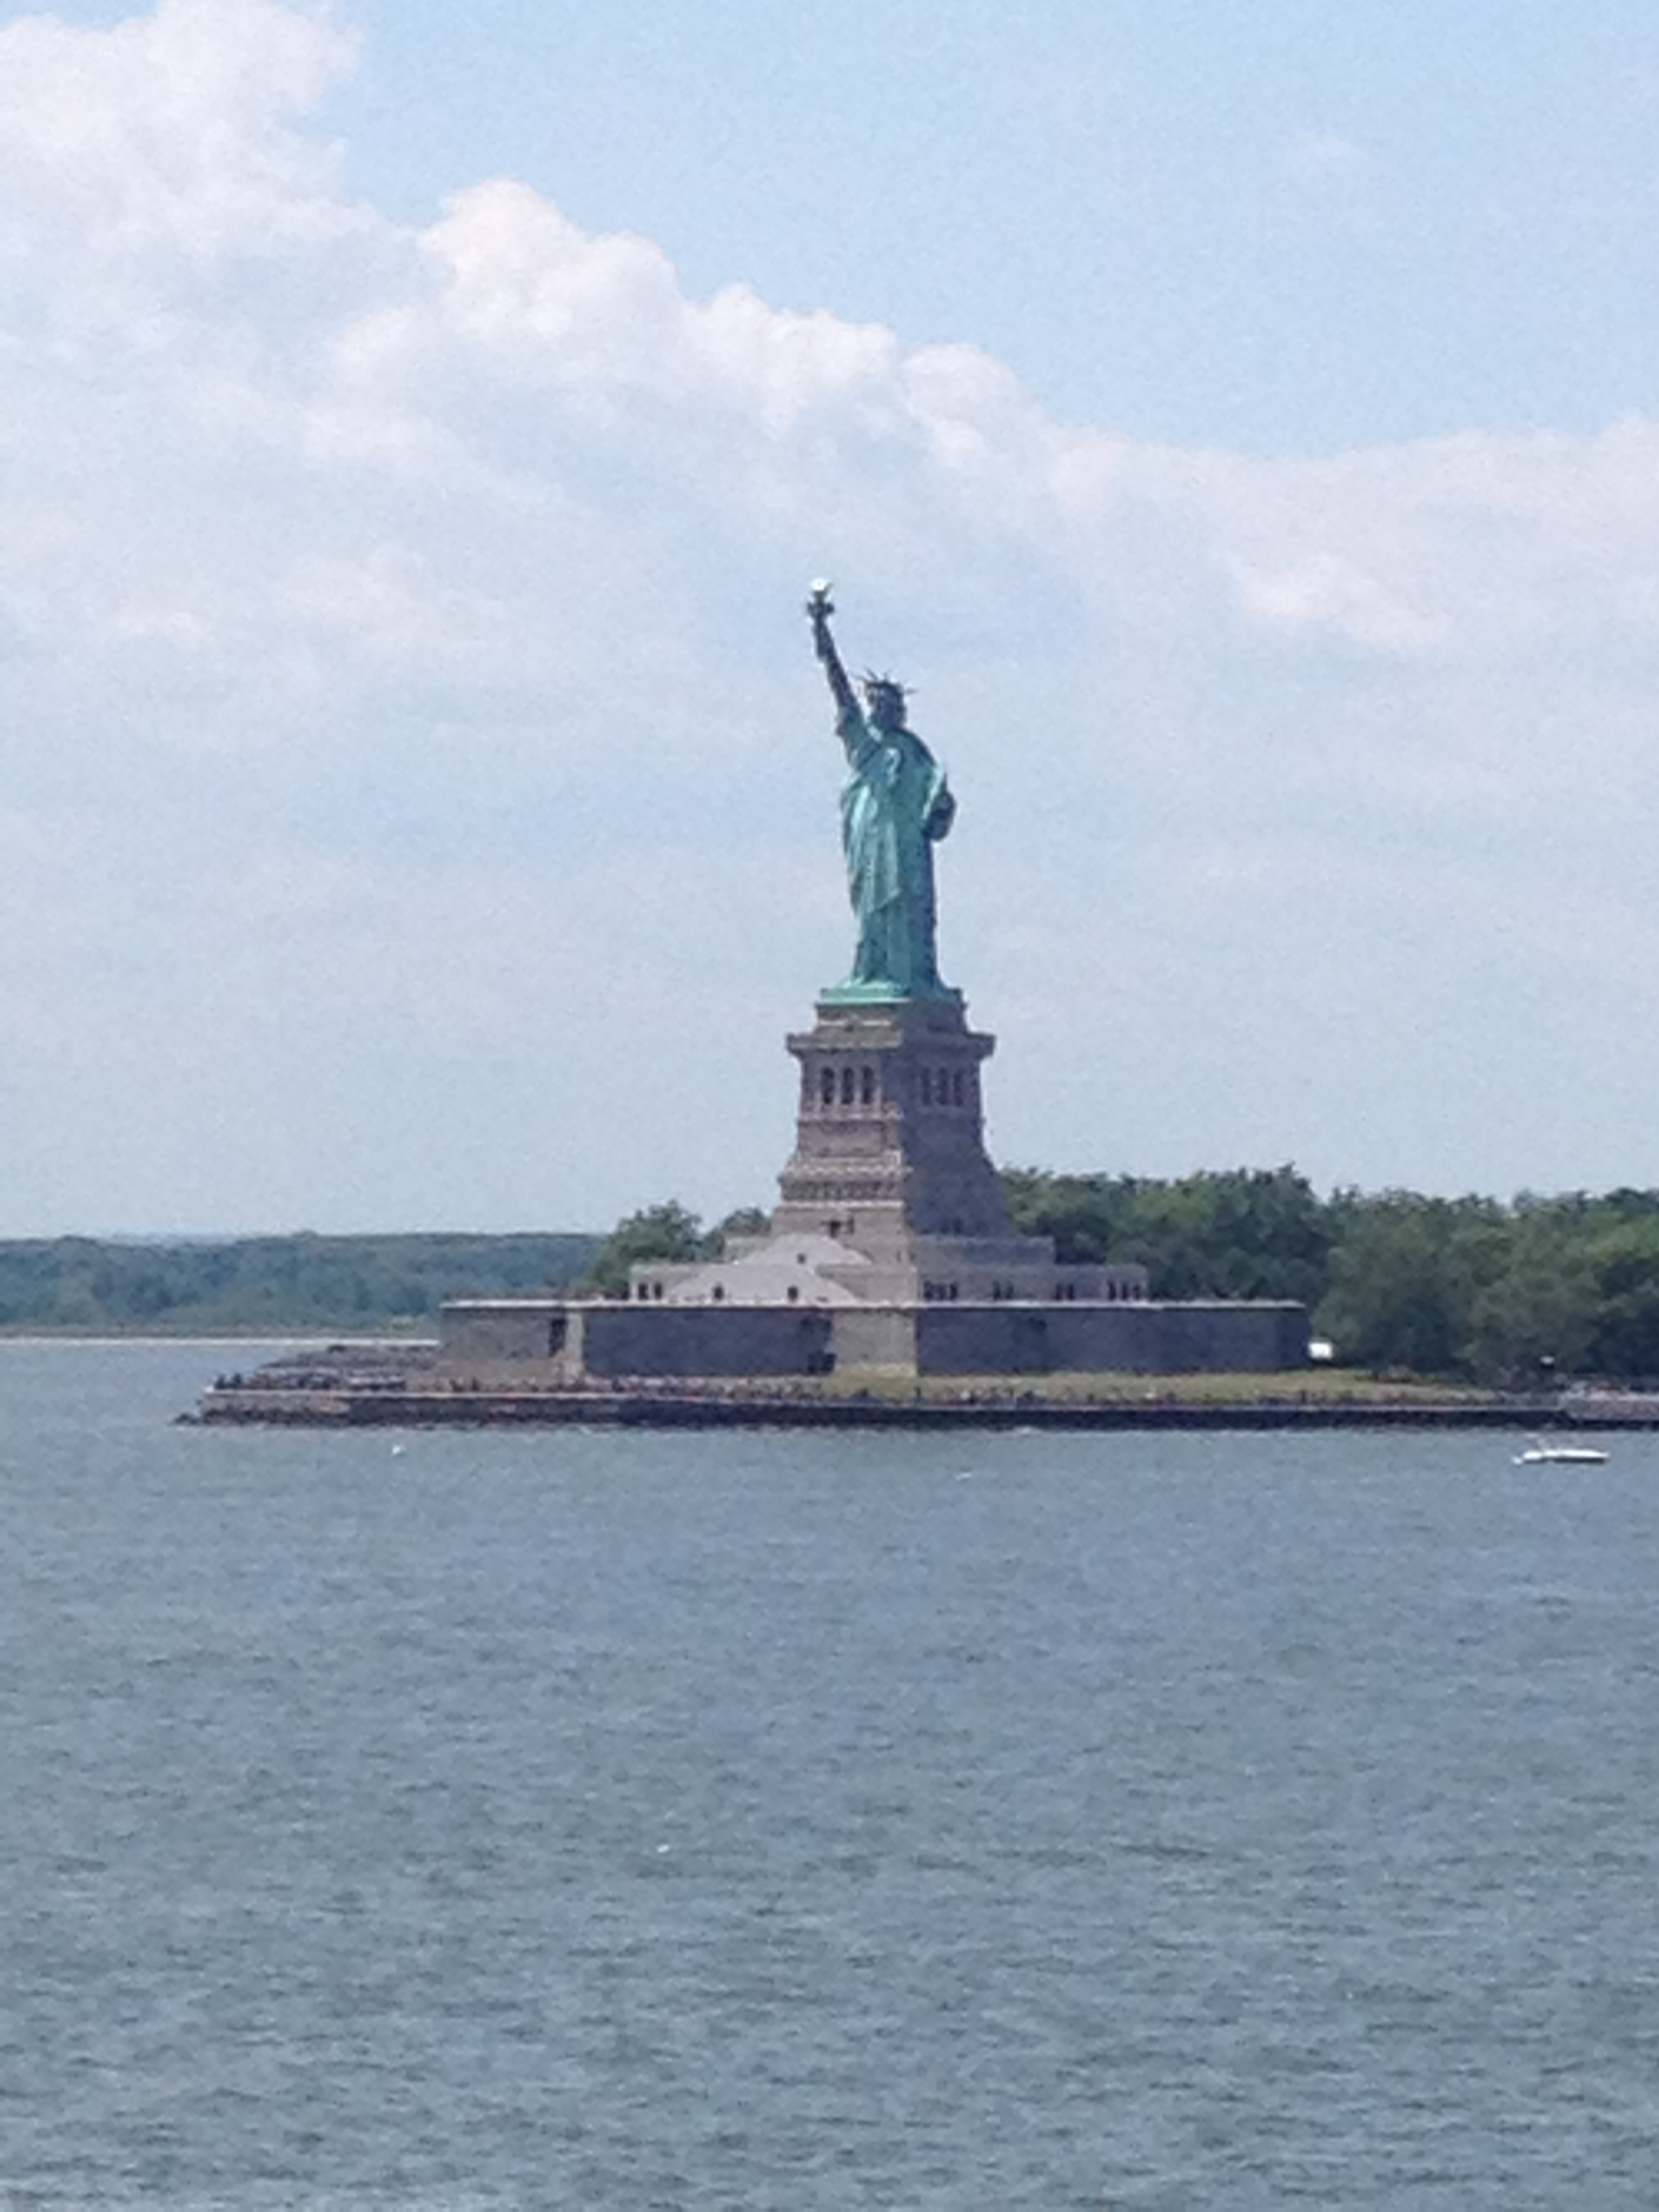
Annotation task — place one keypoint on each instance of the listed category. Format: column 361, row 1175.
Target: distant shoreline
column 260, row 1289
column 41, row 1339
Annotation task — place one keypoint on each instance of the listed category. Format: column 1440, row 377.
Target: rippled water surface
column 783, row 1822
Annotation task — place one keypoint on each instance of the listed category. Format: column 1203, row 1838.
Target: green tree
column 1625, row 1254
column 1404, row 1276
column 1084, row 1213
column 1536, row 1318
column 1243, row 1233
column 744, row 1221
column 667, row 1231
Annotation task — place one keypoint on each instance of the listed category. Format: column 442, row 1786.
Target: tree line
column 1514, row 1291
column 271, row 1285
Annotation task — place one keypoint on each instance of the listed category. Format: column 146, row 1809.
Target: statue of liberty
column 894, row 806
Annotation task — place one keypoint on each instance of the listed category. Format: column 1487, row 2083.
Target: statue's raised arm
column 819, row 608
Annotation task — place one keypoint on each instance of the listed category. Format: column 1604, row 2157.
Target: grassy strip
column 1311, row 1386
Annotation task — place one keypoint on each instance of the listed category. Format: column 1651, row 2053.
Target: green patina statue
column 894, row 806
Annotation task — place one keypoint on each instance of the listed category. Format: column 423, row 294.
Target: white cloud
column 404, row 690
column 169, row 133
column 1327, row 591
column 1315, row 153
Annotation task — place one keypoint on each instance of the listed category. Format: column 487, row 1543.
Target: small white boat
column 1541, row 1454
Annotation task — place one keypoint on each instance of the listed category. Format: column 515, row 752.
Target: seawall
column 663, row 1408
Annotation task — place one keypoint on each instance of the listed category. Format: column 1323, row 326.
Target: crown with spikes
column 875, row 687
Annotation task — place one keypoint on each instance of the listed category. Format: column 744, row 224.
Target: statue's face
column 887, row 710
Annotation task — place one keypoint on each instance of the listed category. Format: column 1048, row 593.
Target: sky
column 418, row 429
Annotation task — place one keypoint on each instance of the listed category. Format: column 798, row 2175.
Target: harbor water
column 481, row 1821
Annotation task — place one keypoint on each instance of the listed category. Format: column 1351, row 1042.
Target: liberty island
column 891, row 1251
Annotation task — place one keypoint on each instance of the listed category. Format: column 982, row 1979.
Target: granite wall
column 1200, row 1338
column 637, row 1339
column 497, row 1340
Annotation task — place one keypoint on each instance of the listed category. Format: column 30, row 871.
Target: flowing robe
column 894, row 805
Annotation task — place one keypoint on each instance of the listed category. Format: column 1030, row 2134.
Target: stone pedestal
column 890, row 1142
